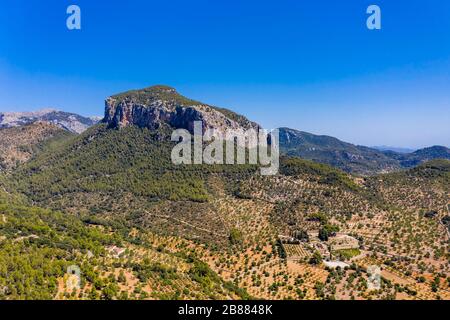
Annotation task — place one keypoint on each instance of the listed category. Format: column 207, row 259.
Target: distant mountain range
column 395, row 149
column 352, row 158
column 159, row 106
column 65, row 120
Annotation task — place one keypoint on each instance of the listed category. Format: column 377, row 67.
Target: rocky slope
column 68, row 121
column 19, row 144
column 156, row 106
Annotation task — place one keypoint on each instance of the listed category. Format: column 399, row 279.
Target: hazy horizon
column 403, row 148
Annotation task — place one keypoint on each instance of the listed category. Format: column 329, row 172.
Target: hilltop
column 156, row 106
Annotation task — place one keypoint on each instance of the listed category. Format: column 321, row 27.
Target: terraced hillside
column 235, row 227
column 38, row 246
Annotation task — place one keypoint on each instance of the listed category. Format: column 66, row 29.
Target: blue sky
column 309, row 65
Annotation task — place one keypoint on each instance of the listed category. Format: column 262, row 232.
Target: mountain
column 422, row 155
column 129, row 155
column 351, row 158
column 65, row 120
column 435, row 152
column 331, row 151
column 394, row 149
column 157, row 106
column 110, row 201
column 19, row 144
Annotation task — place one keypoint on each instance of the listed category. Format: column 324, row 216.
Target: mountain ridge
column 71, row 122
column 353, row 158
column 160, row 106
column 394, row 149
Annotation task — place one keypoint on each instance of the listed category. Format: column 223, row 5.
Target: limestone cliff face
column 154, row 106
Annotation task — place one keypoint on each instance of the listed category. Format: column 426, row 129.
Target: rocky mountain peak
column 153, row 94
column 155, row 106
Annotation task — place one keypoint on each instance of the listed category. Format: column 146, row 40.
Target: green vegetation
column 326, row 174
column 19, row 144
column 346, row 254
column 151, row 94
column 433, row 169
column 236, row 236
column 37, row 246
column 351, row 158
column 319, row 217
column 146, row 269
column 113, row 161
column 208, row 279
column 301, row 235
column 316, row 258
column 327, row 231
column 139, row 227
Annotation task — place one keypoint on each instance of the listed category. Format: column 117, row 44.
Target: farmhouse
column 115, row 251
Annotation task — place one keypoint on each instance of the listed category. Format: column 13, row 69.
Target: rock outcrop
column 154, row 106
